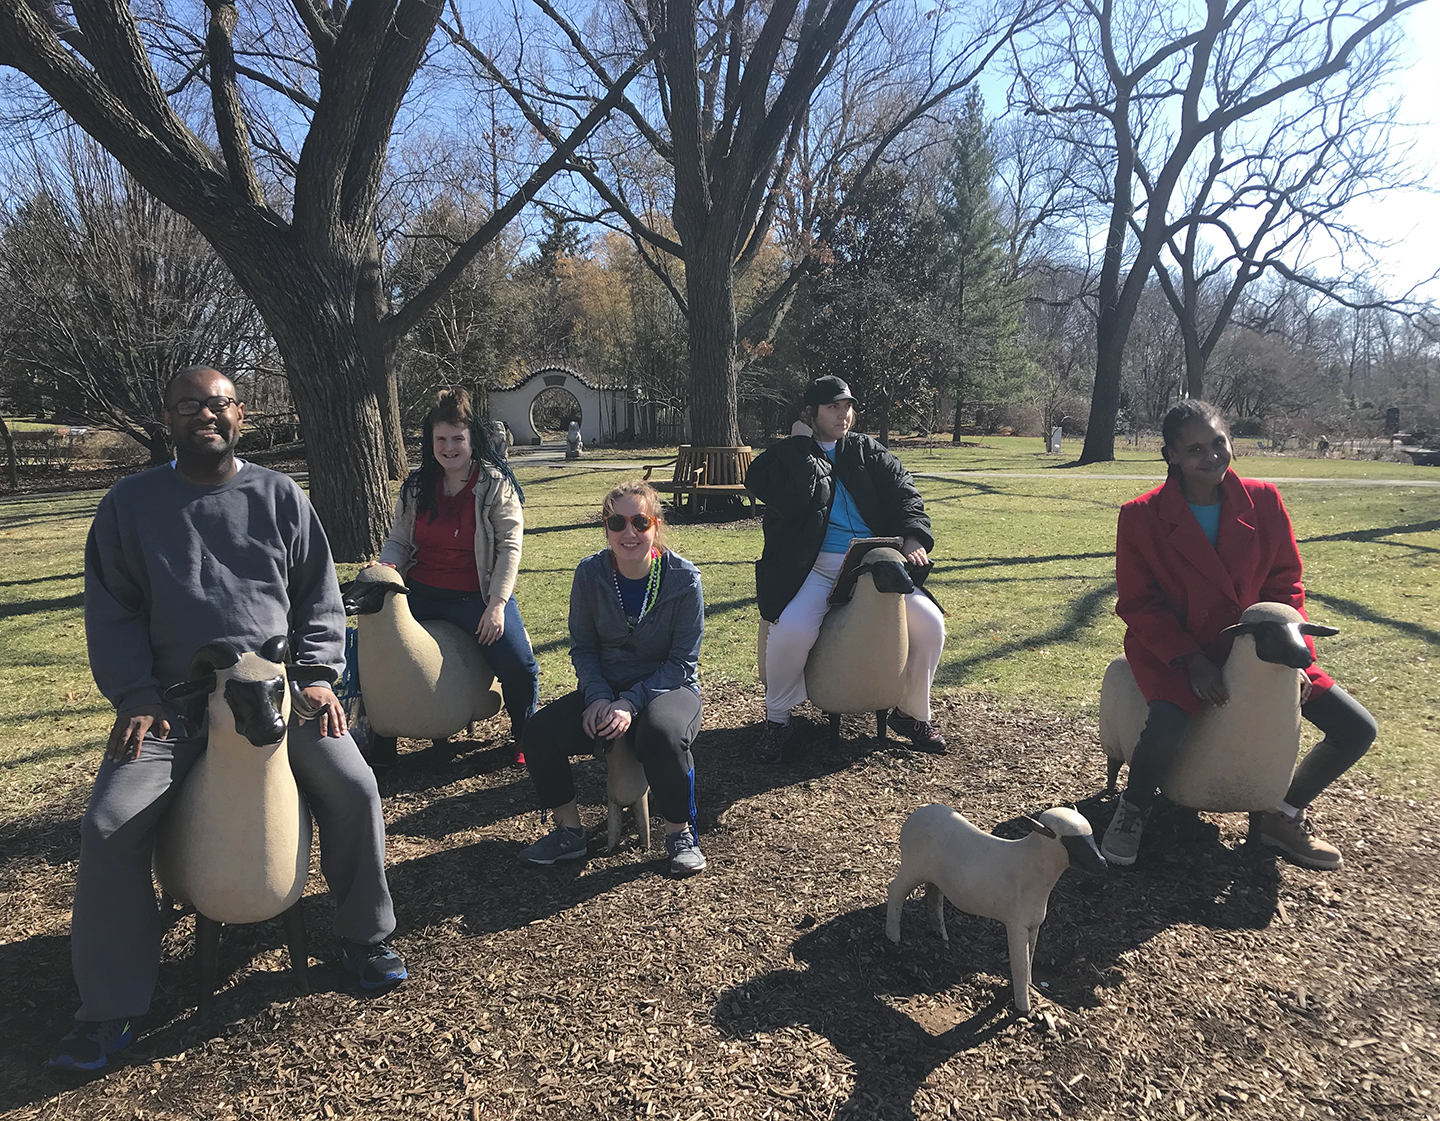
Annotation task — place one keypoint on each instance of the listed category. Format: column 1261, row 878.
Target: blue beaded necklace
column 652, row 586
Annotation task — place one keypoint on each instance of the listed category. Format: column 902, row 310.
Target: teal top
column 845, row 519
column 1209, row 519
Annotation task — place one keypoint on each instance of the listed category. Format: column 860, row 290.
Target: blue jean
column 510, row 656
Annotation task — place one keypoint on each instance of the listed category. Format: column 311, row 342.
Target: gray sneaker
column 1122, row 838
column 561, row 843
column 685, row 856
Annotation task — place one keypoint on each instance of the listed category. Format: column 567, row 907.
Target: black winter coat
column 795, row 480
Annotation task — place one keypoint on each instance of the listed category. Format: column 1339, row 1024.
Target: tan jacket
column 499, row 526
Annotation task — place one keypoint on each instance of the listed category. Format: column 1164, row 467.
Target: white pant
column 788, row 644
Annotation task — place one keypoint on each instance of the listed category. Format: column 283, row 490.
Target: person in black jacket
column 821, row 488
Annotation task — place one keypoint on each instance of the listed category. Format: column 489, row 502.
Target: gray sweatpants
column 115, row 928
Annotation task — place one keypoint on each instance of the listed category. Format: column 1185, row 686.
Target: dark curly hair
column 452, row 406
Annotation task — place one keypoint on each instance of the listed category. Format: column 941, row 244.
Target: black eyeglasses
column 616, row 522
column 189, row 406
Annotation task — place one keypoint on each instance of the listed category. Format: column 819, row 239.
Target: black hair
column 1192, row 408
column 452, row 406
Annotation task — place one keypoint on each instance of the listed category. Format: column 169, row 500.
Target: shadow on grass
column 1370, row 615
column 1081, row 613
column 899, row 1013
column 42, row 579
column 26, row 607
column 1377, row 536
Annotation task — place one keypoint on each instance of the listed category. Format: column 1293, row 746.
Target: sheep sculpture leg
column 207, row 959
column 935, row 908
column 1022, row 948
column 1112, row 774
column 298, row 946
column 880, row 714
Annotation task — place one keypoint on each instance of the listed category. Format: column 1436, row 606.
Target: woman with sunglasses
column 456, row 540
column 636, row 617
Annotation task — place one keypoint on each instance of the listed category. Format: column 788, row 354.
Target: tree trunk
column 340, row 422
column 158, row 441
column 1194, row 364
column 710, row 291
column 882, row 420
column 955, row 436
column 372, row 305
column 1105, row 400
column 12, row 471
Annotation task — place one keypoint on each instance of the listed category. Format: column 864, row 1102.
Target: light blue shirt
column 1209, row 519
column 845, row 519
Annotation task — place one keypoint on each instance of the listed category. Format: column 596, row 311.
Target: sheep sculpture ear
column 276, row 649
column 1318, row 630
column 211, row 657
column 1237, row 629
column 1039, row 827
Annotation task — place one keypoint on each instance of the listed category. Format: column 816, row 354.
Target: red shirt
column 445, row 544
column 1177, row 592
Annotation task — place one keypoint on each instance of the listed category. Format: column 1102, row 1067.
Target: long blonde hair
column 649, row 501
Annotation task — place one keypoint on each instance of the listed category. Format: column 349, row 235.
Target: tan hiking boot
column 1295, row 837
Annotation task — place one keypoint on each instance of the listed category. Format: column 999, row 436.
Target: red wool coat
column 1177, row 592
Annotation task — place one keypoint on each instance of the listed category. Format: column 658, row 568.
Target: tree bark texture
column 372, row 308
column 710, row 291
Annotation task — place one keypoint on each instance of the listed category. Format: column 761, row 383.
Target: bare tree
column 1142, row 88
column 701, row 159
column 298, row 229
column 104, row 293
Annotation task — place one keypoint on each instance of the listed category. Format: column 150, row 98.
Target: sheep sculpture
column 1238, row 757
column 990, row 876
column 626, row 787
column 418, row 680
column 235, row 843
column 858, row 662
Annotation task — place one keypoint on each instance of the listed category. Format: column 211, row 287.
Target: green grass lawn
column 1024, row 567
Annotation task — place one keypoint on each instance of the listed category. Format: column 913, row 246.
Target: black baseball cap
column 826, row 391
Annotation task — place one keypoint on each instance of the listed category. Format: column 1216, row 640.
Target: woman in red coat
column 1190, row 556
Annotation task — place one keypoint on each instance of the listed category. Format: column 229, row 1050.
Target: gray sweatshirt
column 663, row 653
column 170, row 566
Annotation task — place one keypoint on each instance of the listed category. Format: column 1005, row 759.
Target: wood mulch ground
column 1206, row 981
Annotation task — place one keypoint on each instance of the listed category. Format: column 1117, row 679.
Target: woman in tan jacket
column 456, row 540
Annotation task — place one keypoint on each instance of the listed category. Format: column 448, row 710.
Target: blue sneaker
column 89, row 1042
column 685, row 856
column 377, row 966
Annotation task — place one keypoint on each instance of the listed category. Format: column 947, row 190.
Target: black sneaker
column 771, row 744
column 87, row 1044
column 921, row 733
column 377, row 965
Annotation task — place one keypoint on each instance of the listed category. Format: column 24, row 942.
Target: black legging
column 664, row 731
column 1349, row 730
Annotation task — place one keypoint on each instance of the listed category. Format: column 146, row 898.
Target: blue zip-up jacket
column 663, row 652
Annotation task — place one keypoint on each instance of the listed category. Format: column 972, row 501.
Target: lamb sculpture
column 235, row 843
column 990, row 876
column 418, row 680
column 858, row 662
column 626, row 786
column 1240, row 756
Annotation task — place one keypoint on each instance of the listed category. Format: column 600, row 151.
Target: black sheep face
column 258, row 708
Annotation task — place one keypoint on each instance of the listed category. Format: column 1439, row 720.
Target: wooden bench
column 704, row 472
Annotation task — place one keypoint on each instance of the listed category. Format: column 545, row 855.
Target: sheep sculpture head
column 255, row 699
column 1279, row 632
column 1070, row 828
column 371, row 589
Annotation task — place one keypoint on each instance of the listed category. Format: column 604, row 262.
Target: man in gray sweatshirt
column 206, row 549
